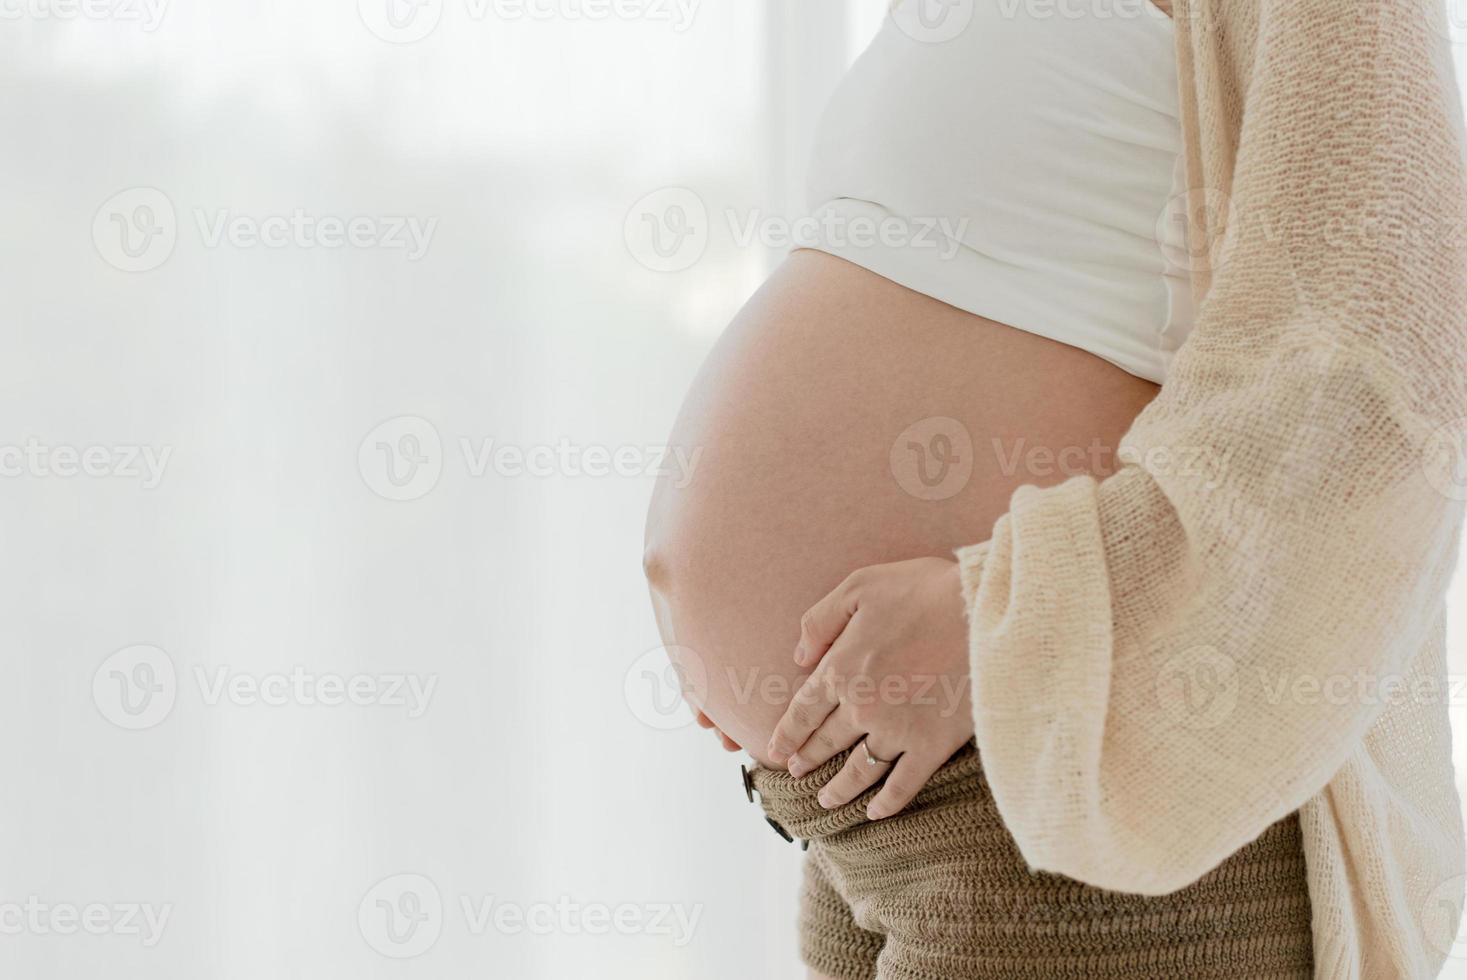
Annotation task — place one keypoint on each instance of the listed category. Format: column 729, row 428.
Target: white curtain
column 337, row 354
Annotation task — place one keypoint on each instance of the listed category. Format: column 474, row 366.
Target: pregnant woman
column 1074, row 516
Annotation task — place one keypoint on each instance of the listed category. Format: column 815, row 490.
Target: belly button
column 654, row 567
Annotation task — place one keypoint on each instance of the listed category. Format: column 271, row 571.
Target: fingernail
column 800, row 654
column 796, row 766
column 875, row 812
column 825, row 801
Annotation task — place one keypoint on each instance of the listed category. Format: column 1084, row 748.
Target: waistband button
column 779, row 830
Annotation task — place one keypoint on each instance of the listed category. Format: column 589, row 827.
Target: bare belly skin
column 817, row 421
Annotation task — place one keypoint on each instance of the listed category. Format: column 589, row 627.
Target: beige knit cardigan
column 1247, row 618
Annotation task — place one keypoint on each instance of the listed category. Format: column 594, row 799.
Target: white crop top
column 1026, row 169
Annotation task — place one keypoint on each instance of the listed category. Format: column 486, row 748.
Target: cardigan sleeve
column 1168, row 660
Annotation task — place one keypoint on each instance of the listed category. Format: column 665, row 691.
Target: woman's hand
column 889, row 652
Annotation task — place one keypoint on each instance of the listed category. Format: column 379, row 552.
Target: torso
column 811, row 415
column 846, row 420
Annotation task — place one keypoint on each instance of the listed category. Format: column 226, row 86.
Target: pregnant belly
column 844, row 421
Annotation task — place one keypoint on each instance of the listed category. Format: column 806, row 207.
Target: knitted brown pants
column 941, row 892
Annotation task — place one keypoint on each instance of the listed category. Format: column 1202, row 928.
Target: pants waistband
column 792, row 806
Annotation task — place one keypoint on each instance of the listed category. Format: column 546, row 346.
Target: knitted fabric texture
column 1247, row 618
column 940, row 892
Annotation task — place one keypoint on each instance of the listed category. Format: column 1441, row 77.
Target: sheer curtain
column 330, row 661
column 340, row 340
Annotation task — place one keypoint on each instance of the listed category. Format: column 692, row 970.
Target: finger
column 855, row 777
column 729, row 744
column 812, row 704
column 903, row 784
column 824, row 621
column 837, row 734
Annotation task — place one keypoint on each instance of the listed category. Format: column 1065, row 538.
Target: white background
column 542, row 770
